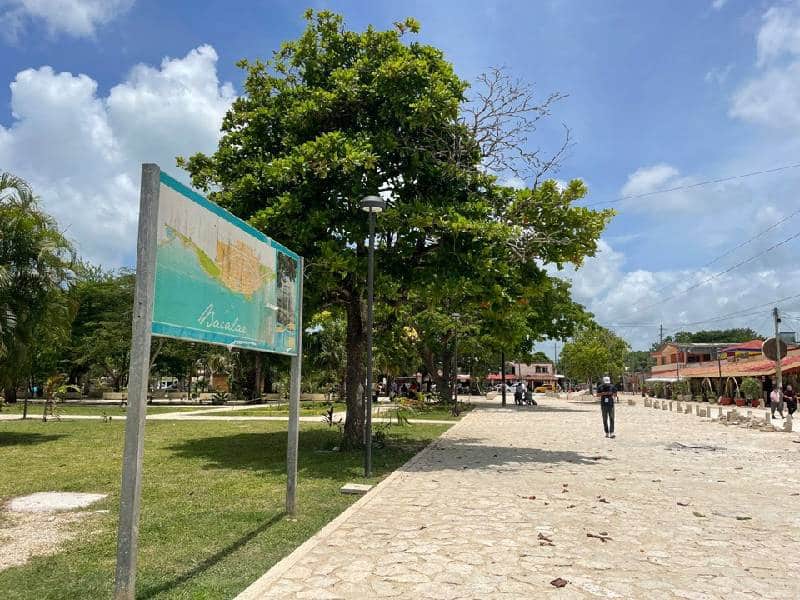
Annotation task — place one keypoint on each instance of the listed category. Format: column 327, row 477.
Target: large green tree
column 101, row 332
column 734, row 336
column 35, row 274
column 593, row 352
column 337, row 115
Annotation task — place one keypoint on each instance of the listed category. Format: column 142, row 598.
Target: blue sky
column 661, row 94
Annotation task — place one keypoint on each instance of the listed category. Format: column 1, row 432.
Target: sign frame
column 139, row 373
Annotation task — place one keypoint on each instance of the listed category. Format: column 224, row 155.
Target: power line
column 693, row 185
column 743, row 244
column 745, row 312
column 756, row 236
column 728, row 270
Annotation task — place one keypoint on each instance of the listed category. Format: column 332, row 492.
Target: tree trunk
column 444, row 383
column 354, row 377
column 259, row 379
column 10, row 394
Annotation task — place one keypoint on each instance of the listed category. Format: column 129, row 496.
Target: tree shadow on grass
column 266, row 452
column 21, row 438
column 209, row 562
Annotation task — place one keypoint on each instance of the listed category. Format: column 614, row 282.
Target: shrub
column 751, row 388
column 219, row 398
column 680, row 388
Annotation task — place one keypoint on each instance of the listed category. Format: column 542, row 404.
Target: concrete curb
column 258, row 589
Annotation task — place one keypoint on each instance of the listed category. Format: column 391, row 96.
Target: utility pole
column 555, row 358
column 661, row 334
column 778, row 374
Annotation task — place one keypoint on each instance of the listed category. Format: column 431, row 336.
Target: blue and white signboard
column 220, row 281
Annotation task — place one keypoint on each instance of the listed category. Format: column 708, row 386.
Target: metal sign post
column 779, row 354
column 202, row 274
column 294, row 411
column 130, row 494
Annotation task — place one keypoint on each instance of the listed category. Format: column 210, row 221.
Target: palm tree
column 217, row 363
column 35, row 273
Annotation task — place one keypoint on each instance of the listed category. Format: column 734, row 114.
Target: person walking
column 766, row 389
column 790, row 397
column 519, row 393
column 776, row 402
column 606, row 391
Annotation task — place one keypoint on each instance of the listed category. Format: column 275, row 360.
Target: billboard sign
column 220, row 281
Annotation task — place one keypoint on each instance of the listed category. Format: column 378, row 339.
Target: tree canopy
column 594, row 352
column 337, row 115
column 734, row 336
column 36, row 263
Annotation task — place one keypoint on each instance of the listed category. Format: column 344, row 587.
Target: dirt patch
column 25, row 535
column 37, row 524
column 45, row 502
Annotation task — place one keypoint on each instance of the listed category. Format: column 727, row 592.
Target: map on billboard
column 220, row 281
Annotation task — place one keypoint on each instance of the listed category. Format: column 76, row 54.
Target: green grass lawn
column 212, row 500
column 307, row 409
column 35, row 410
column 435, row 412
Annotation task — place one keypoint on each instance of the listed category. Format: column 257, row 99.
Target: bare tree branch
column 502, row 114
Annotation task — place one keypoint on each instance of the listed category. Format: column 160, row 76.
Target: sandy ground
column 37, row 524
column 509, row 500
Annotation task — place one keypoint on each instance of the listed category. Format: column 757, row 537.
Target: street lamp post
column 456, row 316
column 503, row 375
column 373, row 205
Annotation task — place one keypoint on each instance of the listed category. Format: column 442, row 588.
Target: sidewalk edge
column 260, row 586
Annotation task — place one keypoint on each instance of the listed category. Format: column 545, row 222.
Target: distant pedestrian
column 766, row 390
column 790, row 397
column 519, row 393
column 776, row 402
column 607, row 391
column 529, row 397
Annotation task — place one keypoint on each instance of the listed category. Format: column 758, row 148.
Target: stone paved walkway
column 510, row 499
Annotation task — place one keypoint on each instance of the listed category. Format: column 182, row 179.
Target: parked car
column 543, row 389
column 499, row 388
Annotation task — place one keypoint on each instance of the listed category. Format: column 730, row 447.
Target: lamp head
column 374, row 204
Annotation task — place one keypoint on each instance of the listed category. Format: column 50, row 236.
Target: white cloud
column 639, row 196
column 513, row 182
column 650, row 179
column 772, row 100
column 79, row 18
column 621, row 298
column 772, row 97
column 719, row 75
column 779, row 34
column 718, row 4
column 82, row 152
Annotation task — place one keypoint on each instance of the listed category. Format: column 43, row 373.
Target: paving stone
column 438, row 530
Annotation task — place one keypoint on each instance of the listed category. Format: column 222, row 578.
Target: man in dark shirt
column 606, row 391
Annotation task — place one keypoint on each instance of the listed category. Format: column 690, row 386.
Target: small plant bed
column 307, row 409
column 434, row 412
column 212, row 500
